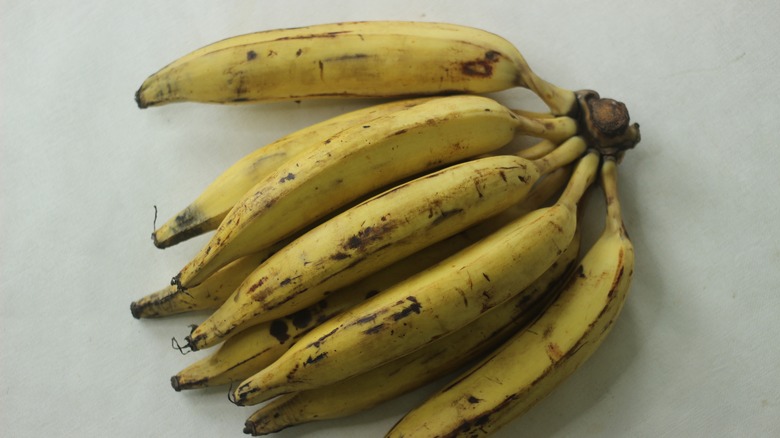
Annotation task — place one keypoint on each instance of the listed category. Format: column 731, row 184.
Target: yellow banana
column 376, row 233
column 429, row 305
column 358, row 160
column 206, row 212
column 533, row 363
column 208, row 295
column 409, row 372
column 251, row 350
column 352, row 59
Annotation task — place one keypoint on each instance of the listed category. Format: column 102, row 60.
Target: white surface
column 695, row 353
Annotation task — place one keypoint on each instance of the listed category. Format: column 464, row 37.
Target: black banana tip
column 175, row 383
column 135, row 309
column 139, row 100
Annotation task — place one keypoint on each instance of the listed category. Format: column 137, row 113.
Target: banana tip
column 135, row 309
column 139, row 100
column 175, row 383
column 249, row 428
column 157, row 242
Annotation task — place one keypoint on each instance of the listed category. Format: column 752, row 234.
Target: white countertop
column 694, row 354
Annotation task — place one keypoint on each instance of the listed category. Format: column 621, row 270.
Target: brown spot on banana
column 414, row 307
column 302, row 318
column 554, row 352
column 368, row 235
column 278, row 329
column 473, row 400
column 373, row 330
column 312, row 360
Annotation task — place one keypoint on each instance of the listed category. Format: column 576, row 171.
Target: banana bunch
column 369, row 254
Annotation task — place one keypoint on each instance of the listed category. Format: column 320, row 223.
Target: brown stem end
column 605, row 124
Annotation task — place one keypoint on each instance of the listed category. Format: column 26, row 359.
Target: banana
column 351, row 59
column 251, row 350
column 208, row 295
column 365, row 157
column 376, row 233
column 533, row 363
column 431, row 304
column 440, row 357
column 208, row 210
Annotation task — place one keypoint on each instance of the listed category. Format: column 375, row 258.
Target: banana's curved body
column 533, row 363
column 358, row 160
column 208, row 210
column 429, row 305
column 355, row 59
column 251, row 350
column 409, row 372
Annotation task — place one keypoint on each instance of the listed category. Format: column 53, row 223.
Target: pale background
column 695, row 354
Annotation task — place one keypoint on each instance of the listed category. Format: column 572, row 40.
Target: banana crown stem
column 537, row 151
column 583, row 176
column 564, row 154
column 609, row 185
column 545, row 126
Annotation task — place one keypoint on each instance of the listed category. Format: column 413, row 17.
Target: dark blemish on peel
column 373, row 330
column 250, row 55
column 302, row 319
column 481, row 68
column 315, row 359
column 278, row 330
column 414, row 307
column 288, row 177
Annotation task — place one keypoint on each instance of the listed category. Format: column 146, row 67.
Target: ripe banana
column 208, row 210
column 365, row 157
column 533, row 363
column 208, row 295
column 354, row 59
column 376, row 233
column 251, row 350
column 440, row 357
column 429, row 305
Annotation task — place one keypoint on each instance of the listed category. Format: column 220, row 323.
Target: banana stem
column 537, row 151
column 609, row 185
column 583, row 176
column 533, row 114
column 564, row 154
column 562, row 102
column 551, row 128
